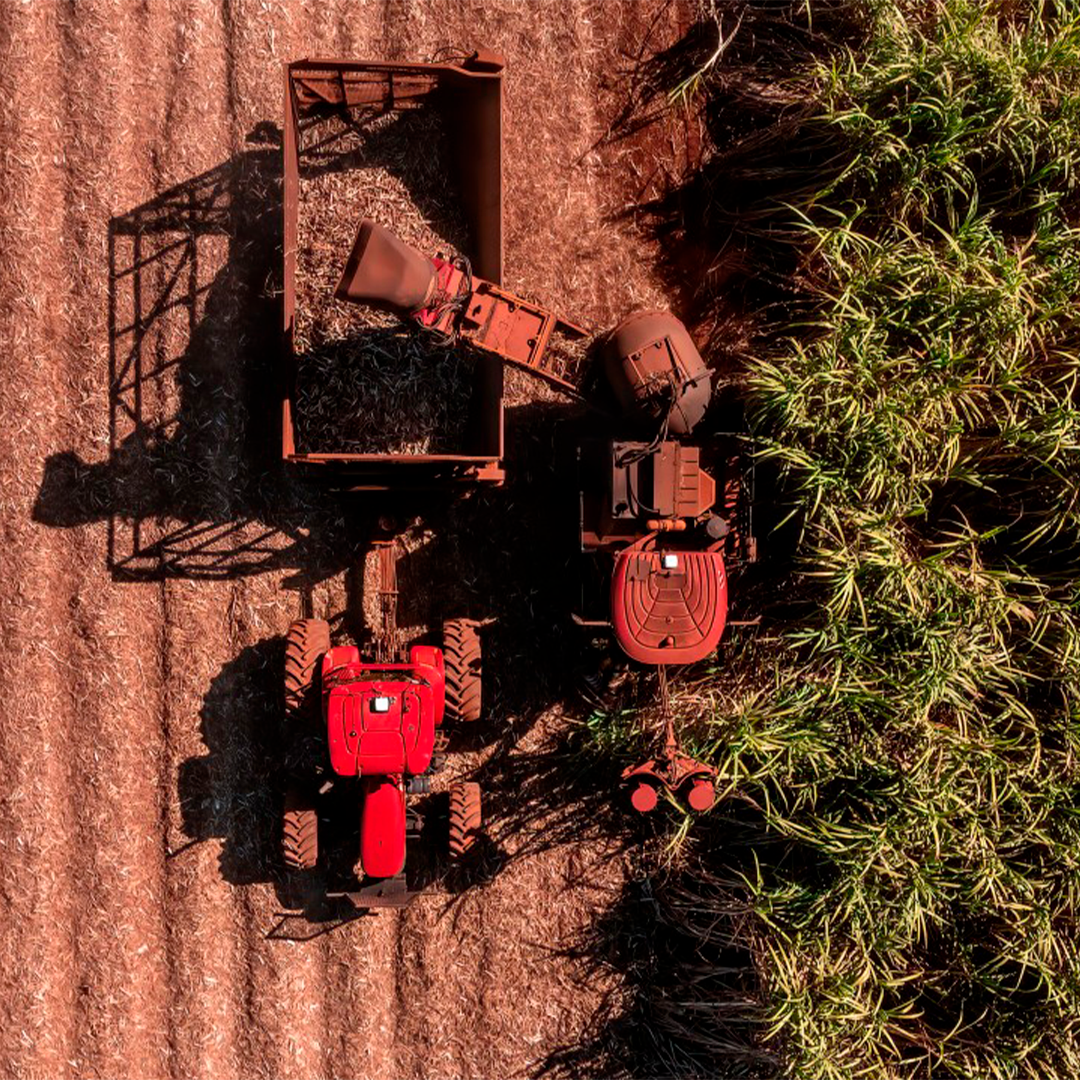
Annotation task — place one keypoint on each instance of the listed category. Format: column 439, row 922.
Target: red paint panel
column 382, row 826
column 668, row 616
column 428, row 663
column 363, row 742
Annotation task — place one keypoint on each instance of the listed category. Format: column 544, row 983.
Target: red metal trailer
column 469, row 96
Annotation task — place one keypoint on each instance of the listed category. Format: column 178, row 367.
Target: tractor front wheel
column 465, row 816
column 308, row 640
column 299, row 832
column 461, row 656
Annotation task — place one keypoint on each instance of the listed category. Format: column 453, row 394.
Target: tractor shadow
column 232, row 792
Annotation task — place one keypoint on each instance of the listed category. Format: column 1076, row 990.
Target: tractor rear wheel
column 461, row 656
column 307, row 641
column 465, row 816
column 299, row 832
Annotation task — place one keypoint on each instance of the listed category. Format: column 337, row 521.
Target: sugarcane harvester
column 652, row 511
column 378, row 736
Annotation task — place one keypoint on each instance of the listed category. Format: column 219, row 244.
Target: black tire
column 299, row 832
column 465, row 816
column 461, row 655
column 308, row 640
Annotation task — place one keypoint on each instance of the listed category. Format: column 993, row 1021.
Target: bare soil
column 154, row 555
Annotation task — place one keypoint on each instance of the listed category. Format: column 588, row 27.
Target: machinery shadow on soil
column 193, row 487
column 230, row 792
column 704, row 956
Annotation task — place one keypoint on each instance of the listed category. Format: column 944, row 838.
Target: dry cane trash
column 365, row 382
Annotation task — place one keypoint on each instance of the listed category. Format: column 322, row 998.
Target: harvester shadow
column 642, row 1028
column 193, row 486
column 725, row 247
column 556, row 795
column 515, row 555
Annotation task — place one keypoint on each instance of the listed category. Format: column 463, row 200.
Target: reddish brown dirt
column 137, row 800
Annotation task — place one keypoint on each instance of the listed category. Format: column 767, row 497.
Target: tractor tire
column 307, row 641
column 461, row 656
column 465, row 816
column 299, row 833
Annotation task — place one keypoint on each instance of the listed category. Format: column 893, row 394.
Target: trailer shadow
column 188, row 489
column 192, row 486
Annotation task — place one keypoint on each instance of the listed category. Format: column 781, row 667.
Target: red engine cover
column 381, row 718
column 668, row 614
column 382, row 827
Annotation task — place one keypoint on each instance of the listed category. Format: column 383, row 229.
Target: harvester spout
column 386, row 273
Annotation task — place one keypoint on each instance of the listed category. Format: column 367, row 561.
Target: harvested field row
column 155, row 556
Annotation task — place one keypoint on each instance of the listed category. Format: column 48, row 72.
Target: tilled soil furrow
column 361, row 999
column 122, row 790
column 40, row 740
column 185, row 295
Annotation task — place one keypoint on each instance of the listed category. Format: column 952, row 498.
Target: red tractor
column 377, row 741
column 650, row 507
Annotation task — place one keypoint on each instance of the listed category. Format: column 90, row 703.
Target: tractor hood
column 382, row 827
column 380, row 727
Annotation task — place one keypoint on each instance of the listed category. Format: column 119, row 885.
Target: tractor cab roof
column 668, row 606
column 381, row 718
column 381, row 728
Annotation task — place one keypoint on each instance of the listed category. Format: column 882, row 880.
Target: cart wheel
column 465, row 816
column 308, row 640
column 461, row 655
column 299, row 832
